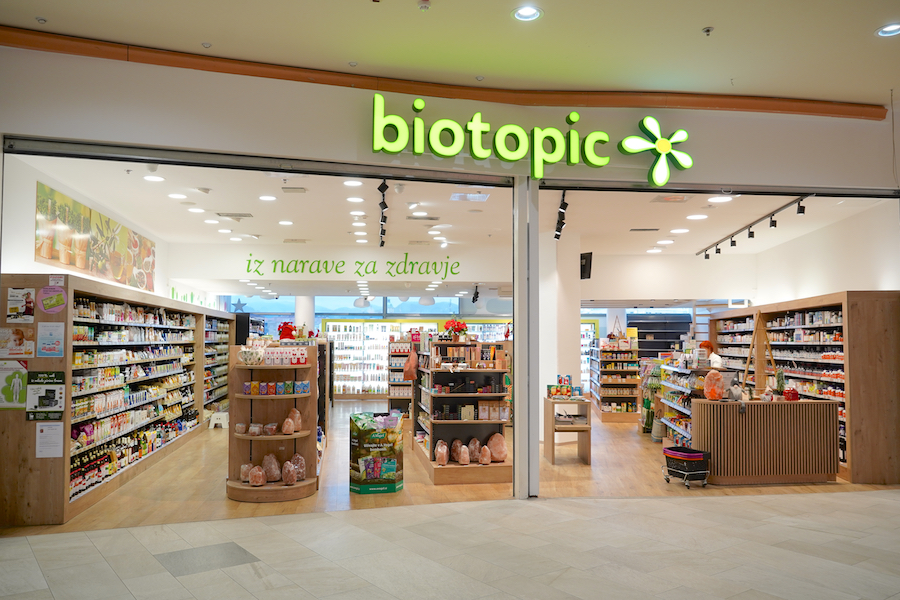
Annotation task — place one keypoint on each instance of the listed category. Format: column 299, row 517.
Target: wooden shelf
column 271, row 396
column 454, row 473
column 680, row 388
column 491, row 395
column 272, row 367
column 271, row 492
column 463, row 370
column 617, row 417
column 677, row 407
column 273, row 438
column 570, row 428
column 466, row 422
column 672, row 425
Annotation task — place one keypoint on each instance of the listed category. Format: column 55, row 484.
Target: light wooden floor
column 189, row 485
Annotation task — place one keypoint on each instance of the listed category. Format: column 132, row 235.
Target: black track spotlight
column 733, row 242
column 383, row 219
column 381, row 244
column 383, row 231
column 475, row 295
column 801, row 210
column 772, row 222
column 383, row 205
column 556, row 234
column 718, row 250
column 563, row 206
column 383, row 187
column 706, row 255
column 750, row 234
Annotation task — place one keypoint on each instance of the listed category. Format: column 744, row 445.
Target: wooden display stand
column 870, row 368
column 271, row 408
column 582, row 430
column 35, row 491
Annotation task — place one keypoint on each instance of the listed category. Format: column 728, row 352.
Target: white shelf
column 675, row 427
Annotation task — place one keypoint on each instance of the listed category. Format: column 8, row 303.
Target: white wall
column 19, row 196
column 858, row 253
column 568, row 309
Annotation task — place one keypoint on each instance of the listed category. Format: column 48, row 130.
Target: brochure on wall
column 50, row 340
column 20, row 305
column 52, row 299
column 376, row 453
column 17, row 342
column 49, row 442
column 13, row 380
column 45, row 396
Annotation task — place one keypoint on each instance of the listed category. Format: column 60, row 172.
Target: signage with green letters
column 512, row 143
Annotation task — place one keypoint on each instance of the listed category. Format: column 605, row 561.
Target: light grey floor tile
column 21, row 575
column 784, row 586
column 635, row 580
column 348, row 543
column 846, row 557
column 15, row 548
column 274, row 547
column 222, row 591
column 257, row 577
column 295, row 592
column 476, row 568
column 529, row 589
column 57, row 558
column 369, row 593
column 686, row 593
column 44, row 594
column 235, row 529
column 205, row 579
column 702, row 582
column 320, row 576
column 755, row 595
column 205, row 558
column 60, row 540
column 199, row 534
column 159, row 586
column 113, row 542
column 154, row 534
column 86, row 582
column 135, row 564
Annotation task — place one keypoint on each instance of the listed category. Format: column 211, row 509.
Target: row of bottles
column 86, row 308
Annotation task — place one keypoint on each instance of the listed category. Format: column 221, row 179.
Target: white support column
column 526, row 362
column 305, row 311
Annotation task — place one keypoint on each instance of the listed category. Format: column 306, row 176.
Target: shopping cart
column 687, row 464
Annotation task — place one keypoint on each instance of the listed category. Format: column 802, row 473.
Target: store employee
column 715, row 361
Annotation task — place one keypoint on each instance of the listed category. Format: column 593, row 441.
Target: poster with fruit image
column 74, row 237
column 119, row 254
column 62, row 229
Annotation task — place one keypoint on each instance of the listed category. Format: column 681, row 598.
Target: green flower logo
column 661, row 147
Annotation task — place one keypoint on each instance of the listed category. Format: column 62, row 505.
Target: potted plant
column 779, row 384
column 456, row 329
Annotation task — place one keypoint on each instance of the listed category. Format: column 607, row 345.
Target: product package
column 376, row 453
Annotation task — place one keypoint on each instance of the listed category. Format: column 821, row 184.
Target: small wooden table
column 551, row 428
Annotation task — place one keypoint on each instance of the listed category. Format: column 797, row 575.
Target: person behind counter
column 715, row 361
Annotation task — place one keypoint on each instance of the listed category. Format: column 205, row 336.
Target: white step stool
column 220, row 418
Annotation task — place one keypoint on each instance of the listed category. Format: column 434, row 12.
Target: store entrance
column 358, row 267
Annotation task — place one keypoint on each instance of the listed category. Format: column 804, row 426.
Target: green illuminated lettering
column 340, row 267
column 418, row 136
column 380, row 122
column 539, row 156
column 502, row 150
column 275, row 264
column 590, row 156
column 317, row 268
column 454, row 270
column 573, row 156
column 476, row 129
column 434, row 138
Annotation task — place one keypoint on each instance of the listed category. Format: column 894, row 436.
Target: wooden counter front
column 772, row 442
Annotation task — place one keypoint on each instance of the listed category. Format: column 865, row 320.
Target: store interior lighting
column 475, row 295
column 561, row 219
column 801, row 210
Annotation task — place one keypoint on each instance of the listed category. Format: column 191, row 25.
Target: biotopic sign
column 511, row 143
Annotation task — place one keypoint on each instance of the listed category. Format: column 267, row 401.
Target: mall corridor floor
column 796, row 547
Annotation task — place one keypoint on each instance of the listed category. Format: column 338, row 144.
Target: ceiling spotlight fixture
column 750, row 234
column 382, row 232
column 720, row 199
column 352, row 63
column 353, row 183
column 665, row 242
column 154, row 178
column 801, row 210
column 697, row 217
column 235, row 239
column 224, row 231
column 243, row 281
column 357, row 213
column 434, row 232
column 285, row 222
column 177, row 196
column 420, row 213
column 358, row 224
column 654, row 250
column 424, row 5
column 733, row 242
column 206, row 45
column 886, row 31
column 475, row 295
column 362, row 241
column 561, row 219
column 772, row 222
column 381, row 244
column 41, row 20
column 267, row 198
column 383, row 205
column 360, row 233
column 355, row 200
column 679, row 231
column 718, row 250
column 411, row 205
column 527, row 13
column 563, row 206
column 444, row 245
column 479, row 78
column 706, row 255
column 196, row 210
column 211, row 221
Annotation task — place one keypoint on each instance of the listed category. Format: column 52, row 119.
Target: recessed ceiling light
column 527, row 13
column 352, row 183
column 361, row 281
column 665, row 242
column 250, row 282
column 718, row 199
column 285, row 222
column 211, row 221
column 355, row 200
column 358, row 224
column 444, row 245
column 434, row 232
column 889, row 30
column 272, row 293
column 267, row 198
column 437, row 282
column 187, row 203
column 352, row 63
column 420, row 213
column 464, row 292
column 679, row 231
column 440, row 238
column 224, row 231
column 360, row 233
column 154, row 178
column 697, row 217
column 475, row 210
column 196, row 210
column 357, row 213
column 362, row 241
column 243, row 280
column 235, row 239
column 654, row 250
column 206, row 45
column 177, row 196
column 260, row 287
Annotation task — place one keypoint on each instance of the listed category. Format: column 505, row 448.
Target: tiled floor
column 794, row 547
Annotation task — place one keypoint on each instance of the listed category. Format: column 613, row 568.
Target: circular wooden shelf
column 271, row 396
column 273, row 367
column 272, row 438
column 271, row 492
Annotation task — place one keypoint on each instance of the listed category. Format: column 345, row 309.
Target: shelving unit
column 587, row 337
column 245, row 408
column 840, row 347
column 678, row 392
column 216, row 340
column 659, row 333
column 583, row 430
column 131, row 373
column 430, row 404
column 617, row 392
column 400, row 393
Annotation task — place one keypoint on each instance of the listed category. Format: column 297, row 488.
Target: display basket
column 686, row 464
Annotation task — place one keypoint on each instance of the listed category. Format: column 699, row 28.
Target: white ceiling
column 822, row 50
column 322, row 215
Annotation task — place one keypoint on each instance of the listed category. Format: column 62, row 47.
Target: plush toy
column 286, row 331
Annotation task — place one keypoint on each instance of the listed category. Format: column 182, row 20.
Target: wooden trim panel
column 48, row 42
